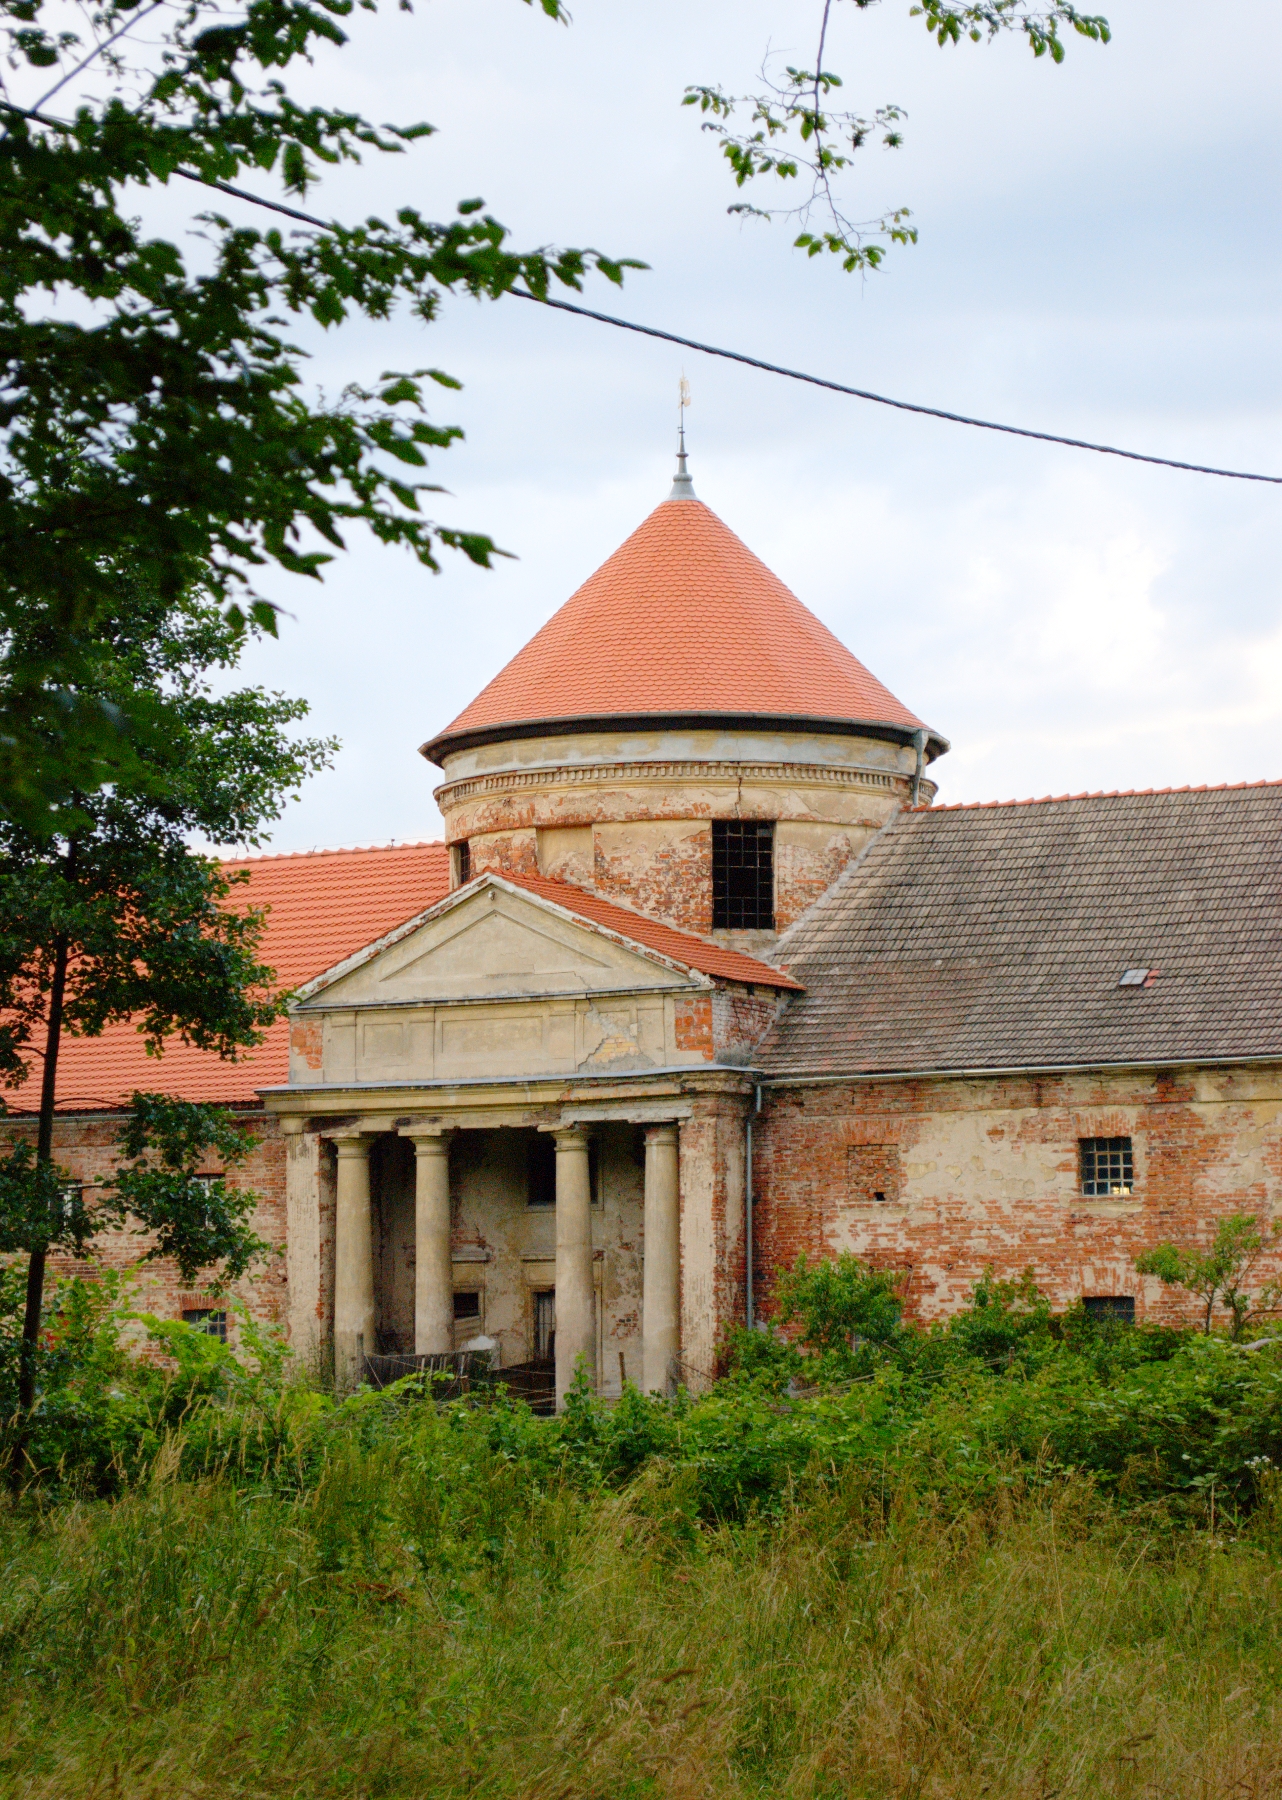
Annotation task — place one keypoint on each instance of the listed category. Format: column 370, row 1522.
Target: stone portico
column 507, row 1117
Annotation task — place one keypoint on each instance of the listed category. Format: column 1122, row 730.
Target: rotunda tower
column 683, row 737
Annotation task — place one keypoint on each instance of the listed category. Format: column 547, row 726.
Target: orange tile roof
column 681, row 946
column 323, row 906
column 682, row 619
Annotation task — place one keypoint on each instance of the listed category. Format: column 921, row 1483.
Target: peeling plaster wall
column 985, row 1172
column 712, row 1235
column 629, row 814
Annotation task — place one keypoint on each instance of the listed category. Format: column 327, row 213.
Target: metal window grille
column 208, row 1320
column 1108, row 1166
column 743, row 875
column 1120, row 1308
column 464, row 850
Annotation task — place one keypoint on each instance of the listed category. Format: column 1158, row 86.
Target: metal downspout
column 749, row 1306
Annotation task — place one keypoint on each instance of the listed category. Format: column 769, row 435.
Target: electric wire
column 738, row 356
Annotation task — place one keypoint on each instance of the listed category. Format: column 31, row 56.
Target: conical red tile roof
column 683, row 621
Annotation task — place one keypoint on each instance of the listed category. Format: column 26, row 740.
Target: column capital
column 428, row 1140
column 350, row 1144
column 570, row 1137
column 666, row 1133
column 291, row 1124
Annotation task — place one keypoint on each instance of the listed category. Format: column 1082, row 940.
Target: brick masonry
column 85, row 1148
column 981, row 1173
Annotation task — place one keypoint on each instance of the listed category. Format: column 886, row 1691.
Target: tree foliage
column 162, row 422
column 1220, row 1275
column 123, row 920
column 796, row 131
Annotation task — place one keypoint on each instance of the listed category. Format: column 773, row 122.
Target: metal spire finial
column 682, row 487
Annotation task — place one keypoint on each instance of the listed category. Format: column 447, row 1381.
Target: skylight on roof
column 1137, row 978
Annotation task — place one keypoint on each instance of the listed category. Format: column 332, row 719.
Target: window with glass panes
column 211, row 1320
column 743, row 875
column 1108, row 1166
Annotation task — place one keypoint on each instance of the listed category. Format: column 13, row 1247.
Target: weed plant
column 1021, row 1557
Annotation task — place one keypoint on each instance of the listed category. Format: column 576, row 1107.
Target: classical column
column 661, row 1270
column 303, row 1238
column 433, row 1271
column 575, row 1325
column 353, row 1260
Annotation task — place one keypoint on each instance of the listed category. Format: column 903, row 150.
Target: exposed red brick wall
column 740, row 1019
column 307, row 1042
column 662, row 871
column 692, row 1022
column 84, row 1147
column 988, row 1175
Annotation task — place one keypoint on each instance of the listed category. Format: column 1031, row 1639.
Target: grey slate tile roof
column 993, row 937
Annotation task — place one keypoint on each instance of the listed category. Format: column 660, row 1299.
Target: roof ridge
column 337, row 850
column 1201, row 787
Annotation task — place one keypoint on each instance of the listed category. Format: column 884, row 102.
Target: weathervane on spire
column 682, row 487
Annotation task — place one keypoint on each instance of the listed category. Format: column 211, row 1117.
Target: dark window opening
column 595, row 1188
column 545, row 1325
column 467, row 1306
column 1118, row 1307
column 206, row 1319
column 463, row 862
column 743, row 875
column 540, row 1177
column 1108, row 1166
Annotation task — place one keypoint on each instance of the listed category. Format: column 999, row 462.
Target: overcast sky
column 1099, row 257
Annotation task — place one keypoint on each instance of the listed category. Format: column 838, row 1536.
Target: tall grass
column 391, row 1632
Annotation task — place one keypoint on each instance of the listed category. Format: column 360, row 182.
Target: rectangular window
column 467, row 1306
column 872, row 1173
column 1108, row 1166
column 743, row 875
column 206, row 1319
column 545, row 1325
column 462, row 863
column 1118, row 1307
column 540, row 1173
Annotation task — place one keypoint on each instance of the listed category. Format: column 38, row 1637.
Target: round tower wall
column 629, row 814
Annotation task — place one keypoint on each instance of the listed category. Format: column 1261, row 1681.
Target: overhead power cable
column 739, row 356
column 912, row 406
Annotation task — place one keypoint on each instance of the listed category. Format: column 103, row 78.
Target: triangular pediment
column 492, row 941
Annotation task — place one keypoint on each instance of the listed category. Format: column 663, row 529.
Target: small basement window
column 1120, row 1308
column 1108, row 1166
column 467, row 1306
column 207, row 1319
column 743, row 875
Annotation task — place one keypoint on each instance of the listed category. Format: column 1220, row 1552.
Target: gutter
column 990, row 1072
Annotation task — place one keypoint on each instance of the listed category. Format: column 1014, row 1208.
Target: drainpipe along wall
column 749, row 1306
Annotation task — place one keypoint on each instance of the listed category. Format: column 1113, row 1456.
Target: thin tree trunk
column 44, row 1154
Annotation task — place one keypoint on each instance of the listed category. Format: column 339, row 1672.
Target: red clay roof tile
column 681, row 946
column 683, row 619
column 322, row 907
